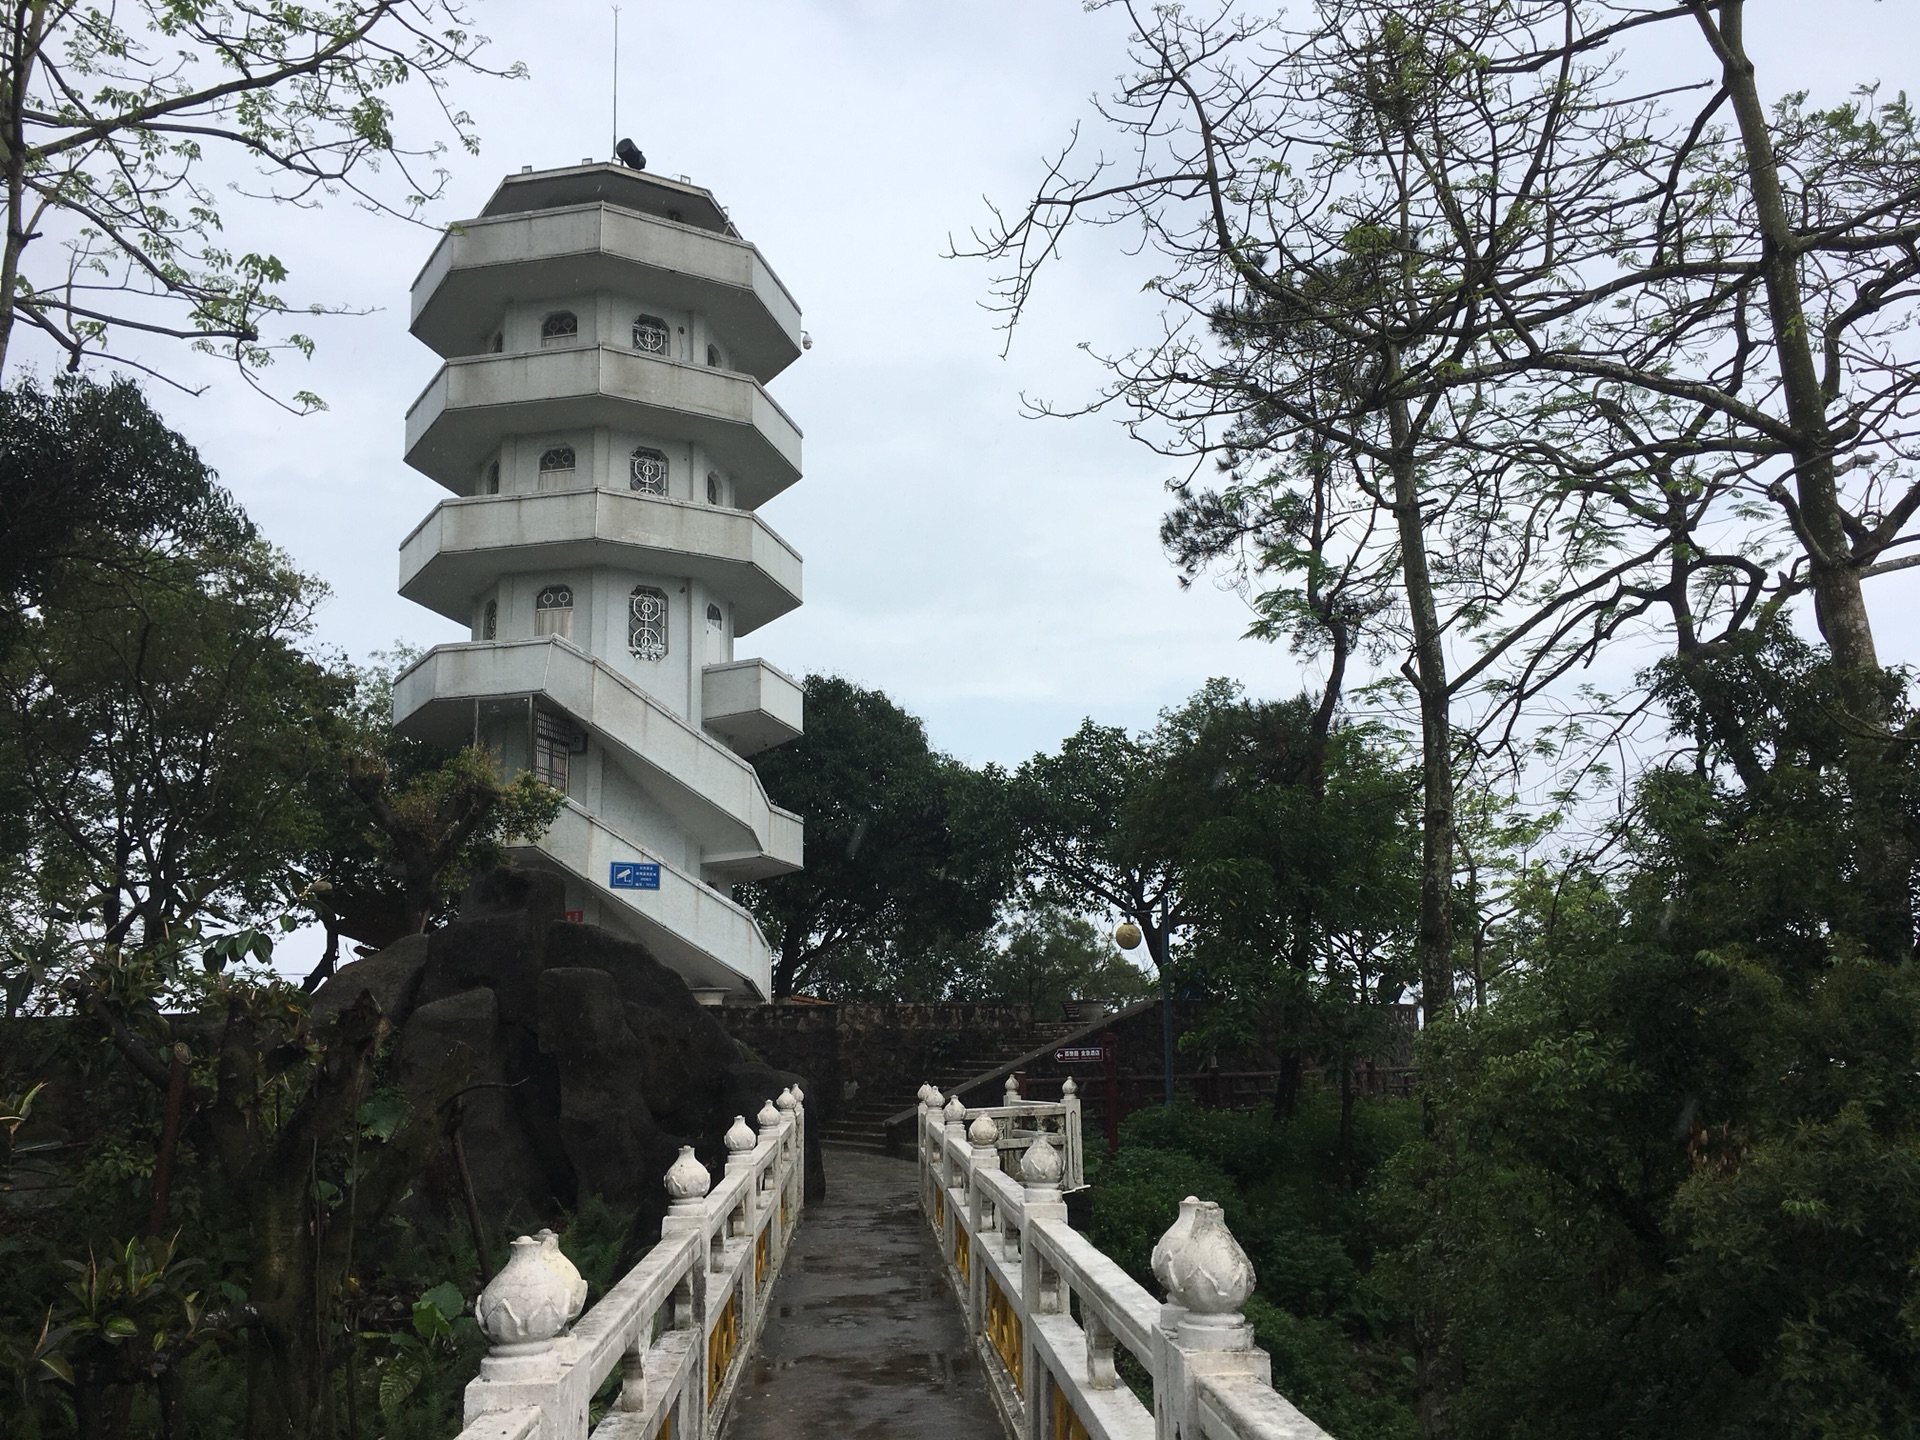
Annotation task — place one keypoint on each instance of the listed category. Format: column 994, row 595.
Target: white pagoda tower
column 602, row 423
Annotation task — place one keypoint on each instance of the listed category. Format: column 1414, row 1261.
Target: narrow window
column 647, row 623
column 490, row 621
column 553, row 612
column 556, row 467
column 713, row 356
column 713, row 487
column 499, row 341
column 715, row 620
column 553, row 741
column 562, row 327
column 647, row 472
column 492, row 487
column 650, row 335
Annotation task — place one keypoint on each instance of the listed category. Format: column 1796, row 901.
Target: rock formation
column 590, row 1062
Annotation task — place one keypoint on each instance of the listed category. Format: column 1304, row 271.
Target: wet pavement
column 865, row 1341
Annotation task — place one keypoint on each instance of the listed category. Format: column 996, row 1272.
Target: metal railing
column 1050, row 1313
column 678, row 1325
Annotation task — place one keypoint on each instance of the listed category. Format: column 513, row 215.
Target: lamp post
column 1128, row 937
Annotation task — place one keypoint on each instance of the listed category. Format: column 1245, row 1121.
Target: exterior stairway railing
column 679, row 1325
column 1049, row 1311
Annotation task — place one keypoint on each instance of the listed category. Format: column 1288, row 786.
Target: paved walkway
column 865, row 1341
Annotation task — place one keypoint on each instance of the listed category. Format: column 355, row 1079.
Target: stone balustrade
column 1050, row 1313
column 678, row 1325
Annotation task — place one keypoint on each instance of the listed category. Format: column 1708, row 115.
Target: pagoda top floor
column 604, row 228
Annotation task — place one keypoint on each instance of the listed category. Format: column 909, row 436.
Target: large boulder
column 588, row 1062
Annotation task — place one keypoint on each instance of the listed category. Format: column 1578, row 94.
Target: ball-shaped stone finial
column 934, row 1098
column 983, row 1132
column 1012, row 1088
column 1068, row 1089
column 786, row 1101
column 922, row 1093
column 1205, row 1268
column 955, row 1110
column 768, row 1118
column 739, row 1136
column 528, row 1303
column 800, row 1095
column 1176, row 1233
column 1041, row 1166
column 687, row 1179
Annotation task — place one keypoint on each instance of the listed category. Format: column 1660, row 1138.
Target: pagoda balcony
column 475, row 403
column 709, row 939
column 752, row 704
column 465, row 545
column 483, row 265
column 707, row 789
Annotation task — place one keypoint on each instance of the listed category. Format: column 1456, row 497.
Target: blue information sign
column 634, row 875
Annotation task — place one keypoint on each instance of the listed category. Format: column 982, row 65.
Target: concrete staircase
column 863, row 1124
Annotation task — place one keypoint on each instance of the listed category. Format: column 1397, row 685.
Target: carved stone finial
column 576, row 1284
column 528, row 1303
column 687, row 1181
column 768, row 1118
column 955, row 1110
column 739, row 1137
column 934, row 1098
column 1068, row 1089
column 1041, row 1167
column 1013, row 1089
column 786, row 1101
column 800, row 1095
column 921, row 1094
column 1201, row 1264
column 983, row 1132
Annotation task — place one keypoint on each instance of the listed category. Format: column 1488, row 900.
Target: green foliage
column 1042, row 956
column 909, row 852
column 1336, row 1338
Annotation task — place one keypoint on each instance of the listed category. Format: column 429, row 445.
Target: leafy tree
column 402, row 826
column 1042, row 956
column 114, row 121
column 1680, row 1192
column 909, row 852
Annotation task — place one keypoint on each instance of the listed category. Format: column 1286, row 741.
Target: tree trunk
column 1429, row 676
column 1883, row 852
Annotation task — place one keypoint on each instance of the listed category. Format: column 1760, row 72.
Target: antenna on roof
column 616, row 78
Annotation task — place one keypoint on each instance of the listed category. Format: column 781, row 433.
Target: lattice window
column 553, row 741
column 556, row 467
column 650, row 335
column 553, row 611
column 713, row 487
column 490, row 621
column 562, row 327
column 647, row 623
column 647, row 471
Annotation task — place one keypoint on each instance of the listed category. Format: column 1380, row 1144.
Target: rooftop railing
column 678, row 1325
column 1051, row 1314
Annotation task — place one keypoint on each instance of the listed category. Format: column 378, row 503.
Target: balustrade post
column 523, row 1312
column 1040, row 1172
column 953, row 1166
column 1202, row 1333
column 1070, row 1133
column 985, row 1136
column 931, row 1104
column 792, row 1194
column 687, row 1185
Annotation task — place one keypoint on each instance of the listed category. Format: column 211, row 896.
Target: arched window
column 715, row 620
column 713, row 356
column 556, row 467
column 647, row 623
column 490, row 621
column 499, row 341
column 647, row 472
column 553, row 611
column 713, row 487
column 562, row 327
column 492, row 486
column 650, row 335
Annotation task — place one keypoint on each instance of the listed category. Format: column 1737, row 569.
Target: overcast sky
column 999, row 576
